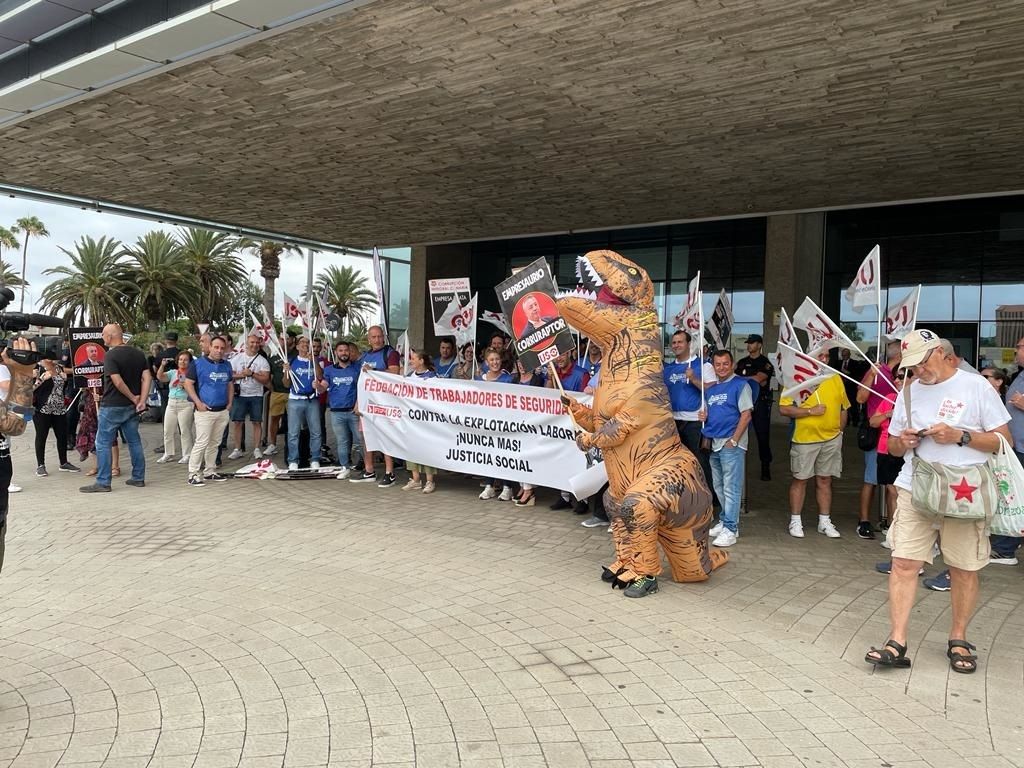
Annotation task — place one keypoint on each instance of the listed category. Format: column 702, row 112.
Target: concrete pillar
column 794, row 257
column 431, row 262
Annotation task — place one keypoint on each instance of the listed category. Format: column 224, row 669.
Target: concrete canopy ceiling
column 406, row 122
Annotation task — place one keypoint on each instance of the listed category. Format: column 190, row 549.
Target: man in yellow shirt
column 816, row 450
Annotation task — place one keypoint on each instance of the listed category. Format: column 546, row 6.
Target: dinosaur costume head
column 619, row 288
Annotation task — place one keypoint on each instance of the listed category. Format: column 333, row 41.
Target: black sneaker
column 195, row 481
column 865, row 531
column 386, row 480
column 41, row 471
column 68, row 467
column 560, row 503
column 216, row 477
column 95, row 488
column 642, row 587
column 364, row 477
column 581, row 508
column 135, row 483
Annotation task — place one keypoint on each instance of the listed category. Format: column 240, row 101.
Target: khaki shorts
column 964, row 543
column 807, row 460
column 278, row 403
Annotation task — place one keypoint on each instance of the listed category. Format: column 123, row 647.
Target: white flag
column 690, row 321
column 292, row 310
column 465, row 330
column 693, row 291
column 866, row 288
column 901, row 318
column 787, row 336
column 404, row 352
column 497, row 319
column 378, row 278
column 720, row 323
column 801, row 373
column 823, row 334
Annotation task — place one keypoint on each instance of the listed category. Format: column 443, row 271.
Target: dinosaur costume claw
column 656, row 490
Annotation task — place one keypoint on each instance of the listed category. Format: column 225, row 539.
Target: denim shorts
column 247, row 406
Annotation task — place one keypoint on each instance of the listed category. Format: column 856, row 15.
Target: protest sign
column 87, row 354
column 505, row 431
column 528, row 301
column 442, row 294
column 720, row 323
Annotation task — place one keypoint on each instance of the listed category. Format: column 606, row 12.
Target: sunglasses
column 902, row 376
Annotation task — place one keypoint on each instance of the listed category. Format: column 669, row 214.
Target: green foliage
column 213, row 259
column 94, row 288
column 347, row 293
column 162, row 279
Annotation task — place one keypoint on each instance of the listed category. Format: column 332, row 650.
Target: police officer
column 759, row 368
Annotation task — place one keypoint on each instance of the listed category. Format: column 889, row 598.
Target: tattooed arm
column 22, row 379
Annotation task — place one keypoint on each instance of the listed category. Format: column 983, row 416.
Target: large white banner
column 506, row 431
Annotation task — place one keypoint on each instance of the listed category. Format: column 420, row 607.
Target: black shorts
column 888, row 468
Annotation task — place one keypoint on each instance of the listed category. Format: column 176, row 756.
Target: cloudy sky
column 68, row 223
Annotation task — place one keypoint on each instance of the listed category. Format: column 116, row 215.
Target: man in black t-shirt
column 759, row 368
column 126, row 383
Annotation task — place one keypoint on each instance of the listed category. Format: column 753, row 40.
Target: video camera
column 47, row 347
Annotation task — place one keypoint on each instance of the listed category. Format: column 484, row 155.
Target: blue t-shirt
column 723, row 406
column 379, row 359
column 444, row 370
column 213, row 381
column 302, row 378
column 576, row 380
column 683, row 395
column 504, row 378
column 591, row 367
column 342, row 385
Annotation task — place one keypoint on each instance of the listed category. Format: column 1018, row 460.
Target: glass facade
column 729, row 254
column 396, row 287
column 968, row 256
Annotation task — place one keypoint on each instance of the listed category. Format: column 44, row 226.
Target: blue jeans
column 727, row 468
column 109, row 421
column 308, row 411
column 346, row 434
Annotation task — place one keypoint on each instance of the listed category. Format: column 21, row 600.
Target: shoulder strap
column 906, row 405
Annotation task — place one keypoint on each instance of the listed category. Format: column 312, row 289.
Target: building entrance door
column 963, row 336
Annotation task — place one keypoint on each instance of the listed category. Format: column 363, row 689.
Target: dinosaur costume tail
column 687, row 550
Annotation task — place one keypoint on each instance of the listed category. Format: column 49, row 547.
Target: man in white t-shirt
column 954, row 420
column 251, row 371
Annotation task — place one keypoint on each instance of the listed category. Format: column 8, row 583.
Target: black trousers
column 6, row 473
column 73, row 417
column 44, row 422
column 762, row 421
column 690, row 435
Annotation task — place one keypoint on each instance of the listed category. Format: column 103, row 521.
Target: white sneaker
column 270, row 450
column 716, row 529
column 724, row 539
column 506, row 494
column 293, row 466
column 257, row 454
column 796, row 529
column 314, row 465
column 429, row 487
column 488, row 492
column 165, row 458
column 344, row 473
column 183, row 460
column 236, row 454
column 412, row 485
column 829, row 530
column 13, row 488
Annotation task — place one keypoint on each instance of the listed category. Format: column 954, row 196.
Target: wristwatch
column 965, row 438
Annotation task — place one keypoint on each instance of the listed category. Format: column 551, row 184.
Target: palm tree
column 270, row 254
column 91, row 290
column 9, row 241
column 347, row 294
column 213, row 259
column 31, row 227
column 163, row 283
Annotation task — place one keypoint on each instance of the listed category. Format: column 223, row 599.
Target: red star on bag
column 963, row 490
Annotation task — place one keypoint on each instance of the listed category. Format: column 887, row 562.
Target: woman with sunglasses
column 998, row 379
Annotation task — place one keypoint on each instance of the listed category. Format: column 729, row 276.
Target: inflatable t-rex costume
column 656, row 489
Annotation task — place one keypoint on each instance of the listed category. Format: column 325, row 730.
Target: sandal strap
column 902, row 649
column 960, row 644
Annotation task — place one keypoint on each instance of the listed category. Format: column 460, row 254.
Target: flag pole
column 700, row 346
column 558, row 383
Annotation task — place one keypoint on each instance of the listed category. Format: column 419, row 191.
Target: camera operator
column 51, row 413
column 14, row 411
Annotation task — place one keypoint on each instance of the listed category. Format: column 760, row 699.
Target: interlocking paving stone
column 352, row 626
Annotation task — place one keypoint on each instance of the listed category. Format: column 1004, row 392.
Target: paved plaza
column 325, row 623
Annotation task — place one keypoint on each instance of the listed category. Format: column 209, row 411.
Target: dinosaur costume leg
column 635, row 530
column 683, row 533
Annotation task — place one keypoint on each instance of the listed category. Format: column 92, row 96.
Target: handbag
column 964, row 493
column 867, row 437
column 1009, row 479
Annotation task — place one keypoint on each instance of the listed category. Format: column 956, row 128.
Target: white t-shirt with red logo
column 965, row 401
